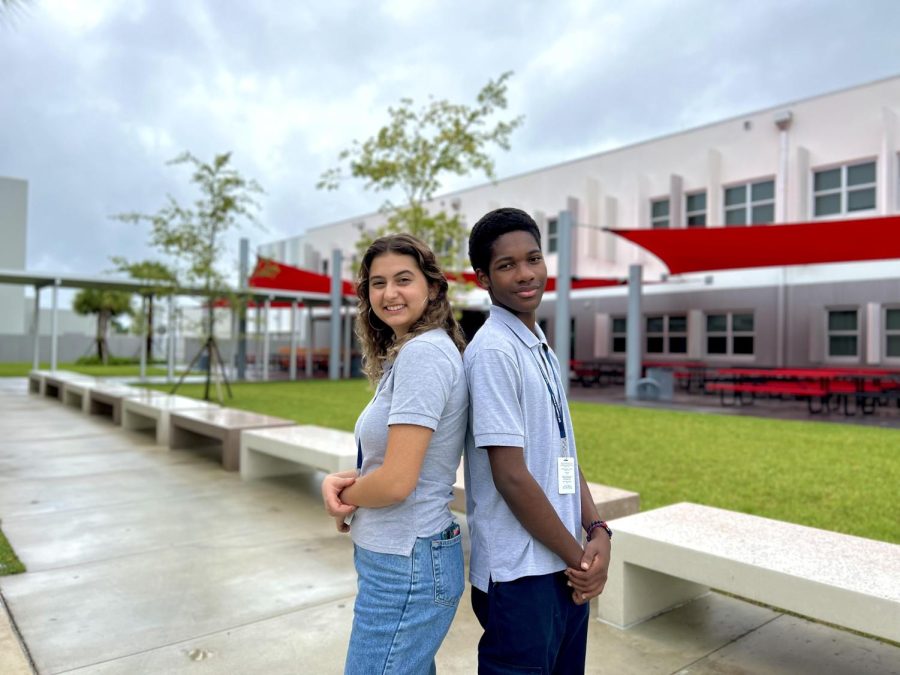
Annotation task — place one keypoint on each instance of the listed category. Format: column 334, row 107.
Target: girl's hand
column 331, row 491
column 341, row 525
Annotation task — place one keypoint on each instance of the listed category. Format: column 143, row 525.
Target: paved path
column 147, row 561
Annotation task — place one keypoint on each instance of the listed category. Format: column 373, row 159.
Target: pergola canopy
column 272, row 274
column 727, row 248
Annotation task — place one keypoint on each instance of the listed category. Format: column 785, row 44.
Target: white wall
column 13, row 223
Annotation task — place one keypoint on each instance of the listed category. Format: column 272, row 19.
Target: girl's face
column 398, row 291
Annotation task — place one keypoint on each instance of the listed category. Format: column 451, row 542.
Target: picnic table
column 824, row 389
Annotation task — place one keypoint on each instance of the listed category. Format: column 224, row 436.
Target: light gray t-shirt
column 511, row 406
column 424, row 386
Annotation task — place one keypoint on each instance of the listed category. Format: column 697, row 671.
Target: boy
column 527, row 501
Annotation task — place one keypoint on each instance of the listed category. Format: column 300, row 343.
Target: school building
column 834, row 157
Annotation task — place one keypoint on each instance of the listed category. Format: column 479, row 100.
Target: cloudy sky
column 96, row 95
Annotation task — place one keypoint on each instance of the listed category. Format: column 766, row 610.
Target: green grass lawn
column 833, row 476
column 9, row 563
column 21, row 369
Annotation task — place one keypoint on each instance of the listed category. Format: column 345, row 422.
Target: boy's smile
column 517, row 274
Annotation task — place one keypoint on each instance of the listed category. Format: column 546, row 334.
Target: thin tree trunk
column 150, row 329
column 102, row 321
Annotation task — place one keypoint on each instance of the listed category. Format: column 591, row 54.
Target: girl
column 407, row 548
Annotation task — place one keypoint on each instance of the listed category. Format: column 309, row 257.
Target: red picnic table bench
column 823, row 389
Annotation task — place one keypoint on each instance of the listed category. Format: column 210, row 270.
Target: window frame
column 842, row 358
column 696, row 212
column 843, row 190
column 613, row 334
column 553, row 237
column 749, row 204
column 886, row 332
column 729, row 334
column 656, row 221
column 666, row 334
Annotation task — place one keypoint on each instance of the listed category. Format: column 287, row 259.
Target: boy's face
column 516, row 275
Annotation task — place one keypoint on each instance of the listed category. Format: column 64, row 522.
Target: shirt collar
column 521, row 331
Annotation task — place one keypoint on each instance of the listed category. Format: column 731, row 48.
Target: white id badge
column 349, row 518
column 566, row 475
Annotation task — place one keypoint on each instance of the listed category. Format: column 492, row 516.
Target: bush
column 111, row 361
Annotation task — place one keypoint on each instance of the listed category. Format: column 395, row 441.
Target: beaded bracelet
column 598, row 524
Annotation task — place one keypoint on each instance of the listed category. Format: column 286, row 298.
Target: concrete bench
column 297, row 449
column 106, row 399
column 36, row 381
column 152, row 412
column 76, row 392
column 668, row 556
column 53, row 383
column 611, row 502
column 193, row 428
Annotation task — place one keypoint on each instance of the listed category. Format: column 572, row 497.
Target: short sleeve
column 494, row 391
column 423, row 379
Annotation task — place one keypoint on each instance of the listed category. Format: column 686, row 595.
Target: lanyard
column 555, row 399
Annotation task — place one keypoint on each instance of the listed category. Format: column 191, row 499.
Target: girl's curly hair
column 377, row 338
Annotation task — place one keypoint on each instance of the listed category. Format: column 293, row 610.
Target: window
column 729, row 334
column 844, row 189
column 659, row 213
column 843, row 332
column 695, row 209
column 552, row 235
column 892, row 333
column 751, row 203
column 619, row 334
column 667, row 334
column 325, row 267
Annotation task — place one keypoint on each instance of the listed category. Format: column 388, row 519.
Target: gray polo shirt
column 511, row 406
column 424, row 386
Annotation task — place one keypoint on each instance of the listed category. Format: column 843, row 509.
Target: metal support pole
column 348, row 323
column 267, row 306
column 293, row 329
column 36, row 330
column 170, row 341
column 310, row 341
column 562, row 327
column 334, row 354
column 242, row 313
column 54, row 324
column 633, row 339
column 144, row 329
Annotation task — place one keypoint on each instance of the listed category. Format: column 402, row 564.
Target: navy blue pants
column 531, row 625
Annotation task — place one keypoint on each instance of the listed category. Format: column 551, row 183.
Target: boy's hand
column 341, row 525
column 588, row 582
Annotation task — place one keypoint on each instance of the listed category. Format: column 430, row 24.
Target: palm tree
column 106, row 305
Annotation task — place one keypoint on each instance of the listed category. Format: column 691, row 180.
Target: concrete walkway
column 147, row 561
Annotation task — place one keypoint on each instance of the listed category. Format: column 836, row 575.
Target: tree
column 416, row 150
column 159, row 278
column 194, row 236
column 106, row 304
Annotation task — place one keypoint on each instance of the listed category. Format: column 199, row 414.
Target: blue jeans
column 404, row 606
column 531, row 625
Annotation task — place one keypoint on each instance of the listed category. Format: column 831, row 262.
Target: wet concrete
column 146, row 561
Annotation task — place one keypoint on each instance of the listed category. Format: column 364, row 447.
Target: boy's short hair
column 493, row 225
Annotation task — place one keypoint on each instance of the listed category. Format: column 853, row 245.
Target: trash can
column 658, row 385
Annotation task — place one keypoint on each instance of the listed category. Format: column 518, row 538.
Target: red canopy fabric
column 272, row 274
column 586, row 282
column 726, row 248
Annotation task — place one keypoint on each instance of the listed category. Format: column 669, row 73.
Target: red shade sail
column 273, row 274
column 586, row 282
column 726, row 248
